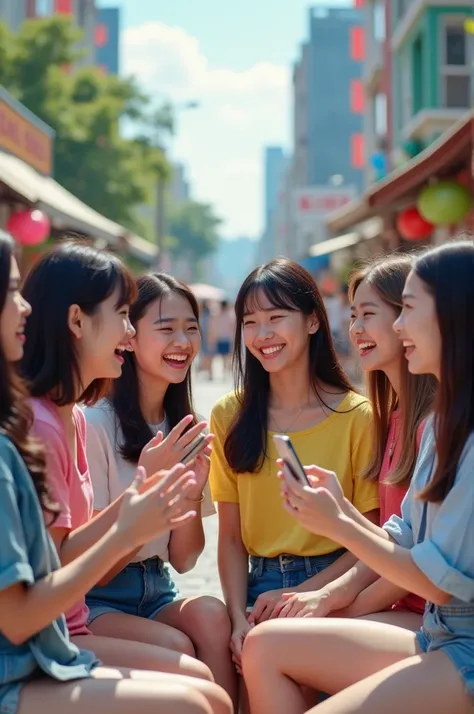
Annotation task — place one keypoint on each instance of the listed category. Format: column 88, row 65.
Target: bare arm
column 187, row 543
column 233, row 562
column 377, row 597
column 24, row 611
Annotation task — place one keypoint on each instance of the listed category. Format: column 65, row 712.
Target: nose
column 181, row 339
column 398, row 324
column 25, row 307
column 263, row 332
column 356, row 327
column 131, row 331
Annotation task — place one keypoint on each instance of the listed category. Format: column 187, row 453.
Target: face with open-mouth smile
column 277, row 337
column 371, row 330
column 167, row 340
column 13, row 319
column 418, row 328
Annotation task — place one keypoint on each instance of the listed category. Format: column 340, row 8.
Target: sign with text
column 29, row 140
column 319, row 201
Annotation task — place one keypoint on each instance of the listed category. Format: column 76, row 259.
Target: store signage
column 24, row 136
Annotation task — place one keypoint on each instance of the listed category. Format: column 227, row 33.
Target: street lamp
column 160, row 222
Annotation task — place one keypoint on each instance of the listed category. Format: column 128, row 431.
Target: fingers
column 256, row 611
column 140, row 477
column 183, row 520
column 189, row 436
column 177, row 430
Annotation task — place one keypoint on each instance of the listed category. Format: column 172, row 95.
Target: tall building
column 276, row 163
column 335, row 100
column 107, row 33
column 300, row 170
column 13, row 12
column 179, row 188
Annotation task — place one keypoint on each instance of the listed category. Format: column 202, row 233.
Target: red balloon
column 412, row 226
column 29, row 227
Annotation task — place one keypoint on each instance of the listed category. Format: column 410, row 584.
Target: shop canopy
column 444, row 155
column 66, row 211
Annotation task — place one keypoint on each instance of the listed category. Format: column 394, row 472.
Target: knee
column 177, row 641
column 257, row 646
column 209, row 619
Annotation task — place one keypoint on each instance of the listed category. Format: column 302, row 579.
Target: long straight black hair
column 448, row 274
column 125, row 395
column 288, row 286
column 16, row 417
column 72, row 273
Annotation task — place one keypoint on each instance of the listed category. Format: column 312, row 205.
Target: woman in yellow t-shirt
column 289, row 381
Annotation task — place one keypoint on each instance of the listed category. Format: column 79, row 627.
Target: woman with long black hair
column 372, row 667
column 289, row 381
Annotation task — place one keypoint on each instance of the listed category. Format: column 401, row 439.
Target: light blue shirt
column 27, row 554
column 446, row 552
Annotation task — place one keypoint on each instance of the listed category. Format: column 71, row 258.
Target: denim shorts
column 450, row 629
column 141, row 589
column 284, row 572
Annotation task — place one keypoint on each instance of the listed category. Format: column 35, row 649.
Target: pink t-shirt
column 70, row 485
column 391, row 497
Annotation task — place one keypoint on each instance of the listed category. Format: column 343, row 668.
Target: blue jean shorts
column 284, row 572
column 141, row 589
column 450, row 629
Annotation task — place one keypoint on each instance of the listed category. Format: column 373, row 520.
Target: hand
column 200, row 465
column 239, row 633
column 316, row 509
column 162, row 453
column 310, row 604
column 161, row 508
column 319, row 477
column 264, row 606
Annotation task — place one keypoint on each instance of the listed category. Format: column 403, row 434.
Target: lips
column 119, row 353
column 177, row 360
column 20, row 334
column 366, row 347
column 271, row 351
column 409, row 348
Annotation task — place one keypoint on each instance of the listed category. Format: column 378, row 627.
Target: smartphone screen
column 287, row 452
column 195, row 447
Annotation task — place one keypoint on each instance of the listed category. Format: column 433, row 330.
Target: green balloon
column 445, row 202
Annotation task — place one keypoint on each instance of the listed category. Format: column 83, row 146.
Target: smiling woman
column 149, row 418
column 289, row 381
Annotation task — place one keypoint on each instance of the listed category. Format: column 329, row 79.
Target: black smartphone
column 195, row 447
column 286, row 451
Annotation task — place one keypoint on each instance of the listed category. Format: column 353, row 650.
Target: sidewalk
column 203, row 579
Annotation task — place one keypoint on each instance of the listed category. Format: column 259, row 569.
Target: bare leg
column 113, row 652
column 206, row 622
column 114, row 692
column 400, row 618
column 130, row 627
column 327, row 655
column 426, row 683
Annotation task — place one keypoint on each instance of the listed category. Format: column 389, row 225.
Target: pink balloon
column 29, row 227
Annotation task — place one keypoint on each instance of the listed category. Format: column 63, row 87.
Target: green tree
column 193, row 230
column 6, row 49
column 97, row 156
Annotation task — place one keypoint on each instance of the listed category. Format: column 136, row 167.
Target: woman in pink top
column 74, row 343
column 401, row 402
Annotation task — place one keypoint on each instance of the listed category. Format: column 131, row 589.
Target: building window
column 378, row 21
column 380, row 114
column 43, row 8
column 455, row 66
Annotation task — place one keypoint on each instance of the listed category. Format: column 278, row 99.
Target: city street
column 203, row 579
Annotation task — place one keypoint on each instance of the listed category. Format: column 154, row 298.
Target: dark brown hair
column 72, row 273
column 288, row 286
column 125, row 396
column 387, row 276
column 447, row 273
column 16, row 417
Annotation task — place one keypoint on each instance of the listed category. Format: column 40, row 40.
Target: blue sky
column 235, row 59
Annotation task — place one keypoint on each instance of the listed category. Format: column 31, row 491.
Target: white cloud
column 240, row 111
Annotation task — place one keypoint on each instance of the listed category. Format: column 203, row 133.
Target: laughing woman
column 373, row 667
column 289, row 381
column 153, row 396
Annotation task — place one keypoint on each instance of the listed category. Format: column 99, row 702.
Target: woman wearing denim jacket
column 373, row 667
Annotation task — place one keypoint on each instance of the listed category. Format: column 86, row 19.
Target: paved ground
column 203, row 579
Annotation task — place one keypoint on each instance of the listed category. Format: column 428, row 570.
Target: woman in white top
column 148, row 418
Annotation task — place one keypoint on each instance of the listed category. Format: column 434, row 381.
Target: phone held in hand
column 287, row 453
column 195, row 448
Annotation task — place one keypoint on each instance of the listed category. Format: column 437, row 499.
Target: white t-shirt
column 111, row 474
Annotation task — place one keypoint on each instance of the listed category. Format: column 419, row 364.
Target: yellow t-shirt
column 341, row 443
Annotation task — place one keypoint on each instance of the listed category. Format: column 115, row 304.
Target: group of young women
column 360, row 587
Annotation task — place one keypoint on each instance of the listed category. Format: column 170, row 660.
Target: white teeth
column 272, row 350
column 366, row 345
column 176, row 358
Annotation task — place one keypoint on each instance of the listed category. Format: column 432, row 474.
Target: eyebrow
column 167, row 320
column 266, row 309
column 408, row 296
column 365, row 304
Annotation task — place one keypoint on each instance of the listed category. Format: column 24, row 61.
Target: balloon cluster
column 442, row 203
